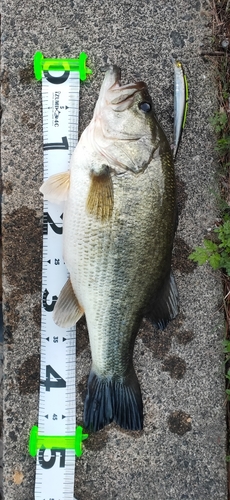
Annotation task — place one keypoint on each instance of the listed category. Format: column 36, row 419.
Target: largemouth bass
column 118, row 229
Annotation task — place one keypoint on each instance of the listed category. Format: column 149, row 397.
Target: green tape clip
column 37, row 442
column 41, row 64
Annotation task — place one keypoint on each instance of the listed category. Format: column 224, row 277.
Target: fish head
column 124, row 129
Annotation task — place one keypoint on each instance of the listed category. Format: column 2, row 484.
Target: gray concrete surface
column 1, row 401
column 181, row 452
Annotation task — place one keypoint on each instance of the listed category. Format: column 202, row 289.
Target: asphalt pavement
column 180, row 454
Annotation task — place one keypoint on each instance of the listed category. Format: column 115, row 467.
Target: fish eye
column 145, row 106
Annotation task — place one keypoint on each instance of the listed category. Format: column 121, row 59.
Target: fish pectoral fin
column 56, row 188
column 67, row 310
column 100, row 198
column 166, row 306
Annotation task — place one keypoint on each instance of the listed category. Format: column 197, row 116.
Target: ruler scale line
column 55, row 468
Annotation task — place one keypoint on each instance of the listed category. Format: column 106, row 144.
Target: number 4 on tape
column 48, row 383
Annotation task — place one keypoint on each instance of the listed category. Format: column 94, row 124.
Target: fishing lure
column 180, row 103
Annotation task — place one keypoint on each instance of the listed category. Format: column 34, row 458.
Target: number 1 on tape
column 56, row 441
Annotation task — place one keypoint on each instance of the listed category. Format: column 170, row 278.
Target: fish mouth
column 120, row 97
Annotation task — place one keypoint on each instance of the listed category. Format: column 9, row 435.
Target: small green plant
column 227, row 374
column 219, row 121
column 223, row 145
column 220, row 125
column 217, row 254
column 226, row 344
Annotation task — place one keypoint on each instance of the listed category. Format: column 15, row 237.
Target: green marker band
column 37, row 442
column 186, row 100
column 42, row 64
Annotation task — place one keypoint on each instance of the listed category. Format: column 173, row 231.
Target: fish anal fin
column 100, row 198
column 67, row 310
column 55, row 189
column 113, row 399
column 166, row 305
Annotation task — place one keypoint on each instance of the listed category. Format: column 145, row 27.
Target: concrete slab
column 181, row 452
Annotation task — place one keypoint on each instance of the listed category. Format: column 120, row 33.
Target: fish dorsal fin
column 166, row 305
column 67, row 310
column 100, row 197
column 55, row 189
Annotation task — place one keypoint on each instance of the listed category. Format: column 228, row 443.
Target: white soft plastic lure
column 180, row 103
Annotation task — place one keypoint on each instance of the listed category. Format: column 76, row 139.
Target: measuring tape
column 56, row 440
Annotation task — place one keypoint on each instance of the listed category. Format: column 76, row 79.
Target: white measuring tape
column 55, row 435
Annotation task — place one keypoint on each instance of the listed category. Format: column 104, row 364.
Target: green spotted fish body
column 118, row 230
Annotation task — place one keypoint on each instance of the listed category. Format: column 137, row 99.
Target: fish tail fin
column 113, row 399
